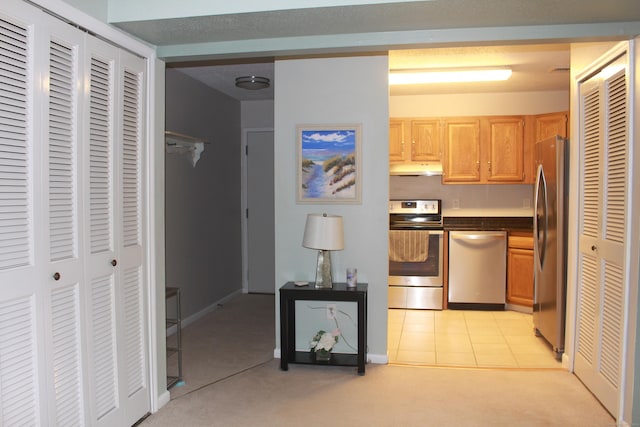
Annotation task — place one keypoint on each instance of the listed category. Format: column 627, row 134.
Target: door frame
column 244, row 202
column 629, row 344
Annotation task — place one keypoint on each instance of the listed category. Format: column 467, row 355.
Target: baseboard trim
column 163, row 399
column 213, row 307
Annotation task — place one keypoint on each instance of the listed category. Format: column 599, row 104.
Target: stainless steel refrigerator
column 549, row 243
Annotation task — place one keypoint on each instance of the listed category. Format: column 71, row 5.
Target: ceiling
column 535, row 68
column 531, row 37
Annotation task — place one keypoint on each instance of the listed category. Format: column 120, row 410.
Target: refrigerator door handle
column 540, row 221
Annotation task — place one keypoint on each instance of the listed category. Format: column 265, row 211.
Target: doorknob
column 594, row 248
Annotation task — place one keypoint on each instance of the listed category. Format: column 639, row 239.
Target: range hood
column 416, row 169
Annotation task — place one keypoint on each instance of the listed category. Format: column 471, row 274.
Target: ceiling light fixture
column 252, row 82
column 405, row 77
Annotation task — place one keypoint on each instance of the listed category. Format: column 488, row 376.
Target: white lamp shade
column 323, row 232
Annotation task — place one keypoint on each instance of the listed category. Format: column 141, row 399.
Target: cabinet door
column 505, row 149
column 425, row 140
column 520, row 277
column 548, row 125
column 461, row 150
column 396, row 141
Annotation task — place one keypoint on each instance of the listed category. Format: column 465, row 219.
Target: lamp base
column 323, row 270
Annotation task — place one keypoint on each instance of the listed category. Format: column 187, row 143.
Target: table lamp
column 324, row 233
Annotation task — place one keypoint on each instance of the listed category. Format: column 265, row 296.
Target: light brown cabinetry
column 537, row 128
column 414, row 140
column 547, row 125
column 484, row 150
column 520, row 269
column 475, row 150
column 461, row 161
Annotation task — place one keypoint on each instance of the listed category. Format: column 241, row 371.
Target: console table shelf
column 290, row 293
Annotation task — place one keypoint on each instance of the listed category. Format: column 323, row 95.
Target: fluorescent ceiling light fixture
column 407, row 77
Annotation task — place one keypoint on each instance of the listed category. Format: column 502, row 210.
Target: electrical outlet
column 526, row 203
column 456, row 203
column 331, row 311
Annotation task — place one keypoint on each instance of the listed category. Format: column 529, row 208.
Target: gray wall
column 203, row 214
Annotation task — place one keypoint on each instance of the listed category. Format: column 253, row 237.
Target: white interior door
column 602, row 272
column 115, row 304
column 64, row 284
column 73, row 342
column 22, row 388
column 131, row 292
column 260, row 218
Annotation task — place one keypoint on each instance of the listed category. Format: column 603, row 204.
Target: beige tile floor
column 467, row 338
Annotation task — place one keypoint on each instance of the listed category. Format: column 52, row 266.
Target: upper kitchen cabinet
column 414, row 140
column 537, row 128
column 485, row 150
column 551, row 124
column 461, row 161
column 505, row 149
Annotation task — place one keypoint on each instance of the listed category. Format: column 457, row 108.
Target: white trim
column 101, row 29
column 244, row 203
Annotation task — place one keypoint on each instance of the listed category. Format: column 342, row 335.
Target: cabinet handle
column 114, row 262
column 478, row 166
column 594, row 248
column 489, row 163
column 56, row 276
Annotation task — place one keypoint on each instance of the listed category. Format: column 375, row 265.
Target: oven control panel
column 431, row 206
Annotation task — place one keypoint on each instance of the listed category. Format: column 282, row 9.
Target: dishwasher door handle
column 483, row 236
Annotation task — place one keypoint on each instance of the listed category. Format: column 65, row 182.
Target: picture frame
column 329, row 164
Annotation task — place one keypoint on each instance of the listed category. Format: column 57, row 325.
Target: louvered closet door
column 603, row 194
column 131, row 293
column 21, row 400
column 100, row 185
column 117, row 339
column 64, row 288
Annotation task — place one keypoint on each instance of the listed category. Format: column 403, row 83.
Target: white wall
column 334, row 91
column 473, row 200
column 479, row 104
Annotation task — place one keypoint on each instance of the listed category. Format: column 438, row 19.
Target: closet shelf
column 175, row 138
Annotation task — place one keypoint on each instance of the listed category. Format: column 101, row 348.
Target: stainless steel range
column 415, row 254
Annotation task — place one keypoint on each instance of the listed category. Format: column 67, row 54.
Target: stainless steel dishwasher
column 477, row 269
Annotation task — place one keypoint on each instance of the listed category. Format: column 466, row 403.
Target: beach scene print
column 328, row 162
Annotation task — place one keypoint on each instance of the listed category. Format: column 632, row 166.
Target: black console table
column 290, row 293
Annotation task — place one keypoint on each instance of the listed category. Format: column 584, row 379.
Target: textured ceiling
column 410, row 16
column 239, row 44
column 532, row 67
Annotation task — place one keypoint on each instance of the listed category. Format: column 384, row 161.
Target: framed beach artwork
column 329, row 168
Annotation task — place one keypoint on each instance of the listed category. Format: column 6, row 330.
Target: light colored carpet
column 236, row 336
column 387, row 395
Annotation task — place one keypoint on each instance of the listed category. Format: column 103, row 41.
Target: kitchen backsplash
column 466, row 200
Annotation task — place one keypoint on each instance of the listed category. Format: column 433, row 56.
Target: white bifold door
column 602, row 302
column 73, row 313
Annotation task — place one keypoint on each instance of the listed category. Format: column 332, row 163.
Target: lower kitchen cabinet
column 520, row 269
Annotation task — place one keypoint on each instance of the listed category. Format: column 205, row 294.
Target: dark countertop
column 510, row 223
